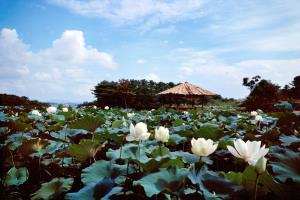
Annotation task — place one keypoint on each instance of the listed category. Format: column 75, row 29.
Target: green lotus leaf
column 211, row 184
column 3, row 117
column 288, row 140
column 32, row 146
column 166, row 180
column 106, row 135
column 16, row 176
column 130, row 151
column 208, row 131
column 102, row 169
column 234, row 176
column 88, row 123
column 53, row 189
column 178, row 122
column 57, row 118
column 278, row 189
column 247, row 180
column 287, row 166
column 160, row 151
column 186, row 156
column 86, row 149
column 16, row 140
column 176, row 139
column 103, row 190
column 117, row 124
column 161, row 162
column 41, row 127
column 19, row 126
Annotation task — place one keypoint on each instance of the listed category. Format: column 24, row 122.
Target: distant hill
column 13, row 100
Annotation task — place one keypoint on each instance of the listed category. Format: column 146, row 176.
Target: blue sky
column 60, row 49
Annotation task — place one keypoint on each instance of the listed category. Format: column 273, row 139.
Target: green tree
column 262, row 96
column 138, row 94
column 296, row 87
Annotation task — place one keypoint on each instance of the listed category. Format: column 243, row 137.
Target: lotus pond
column 93, row 153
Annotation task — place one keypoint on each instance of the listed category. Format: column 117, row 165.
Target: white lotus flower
column 253, row 113
column 202, row 147
column 259, row 118
column 130, row 114
column 249, row 151
column 36, row 112
column 162, row 134
column 65, row 109
column 106, row 108
column 95, row 107
column 138, row 132
column 214, row 120
column 51, row 109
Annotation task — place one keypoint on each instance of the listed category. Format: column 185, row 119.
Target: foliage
column 52, row 189
column 262, row 96
column 13, row 100
column 137, row 94
column 85, row 155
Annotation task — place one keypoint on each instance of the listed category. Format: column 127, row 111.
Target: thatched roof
column 187, row 89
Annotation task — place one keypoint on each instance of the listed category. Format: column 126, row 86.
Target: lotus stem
column 255, row 187
column 121, row 151
column 160, row 149
column 12, row 157
column 127, row 168
column 139, row 149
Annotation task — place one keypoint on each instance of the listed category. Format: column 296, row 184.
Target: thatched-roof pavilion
column 188, row 91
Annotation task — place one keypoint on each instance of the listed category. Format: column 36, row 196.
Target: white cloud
column 152, row 77
column 70, row 49
column 59, row 70
column 226, row 78
column 140, row 61
column 149, row 13
column 42, row 76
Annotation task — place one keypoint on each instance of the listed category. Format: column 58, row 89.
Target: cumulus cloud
column 70, row 49
column 62, row 67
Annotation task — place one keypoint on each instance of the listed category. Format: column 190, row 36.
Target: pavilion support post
column 202, row 107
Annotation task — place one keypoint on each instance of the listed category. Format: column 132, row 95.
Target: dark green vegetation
column 83, row 154
column 137, row 94
column 13, row 100
column 264, row 94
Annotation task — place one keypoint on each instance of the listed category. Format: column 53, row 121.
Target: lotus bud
column 260, row 165
column 202, row 147
column 106, row 108
column 162, row 134
column 65, row 109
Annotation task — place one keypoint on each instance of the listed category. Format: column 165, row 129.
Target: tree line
column 138, row 94
column 264, row 93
